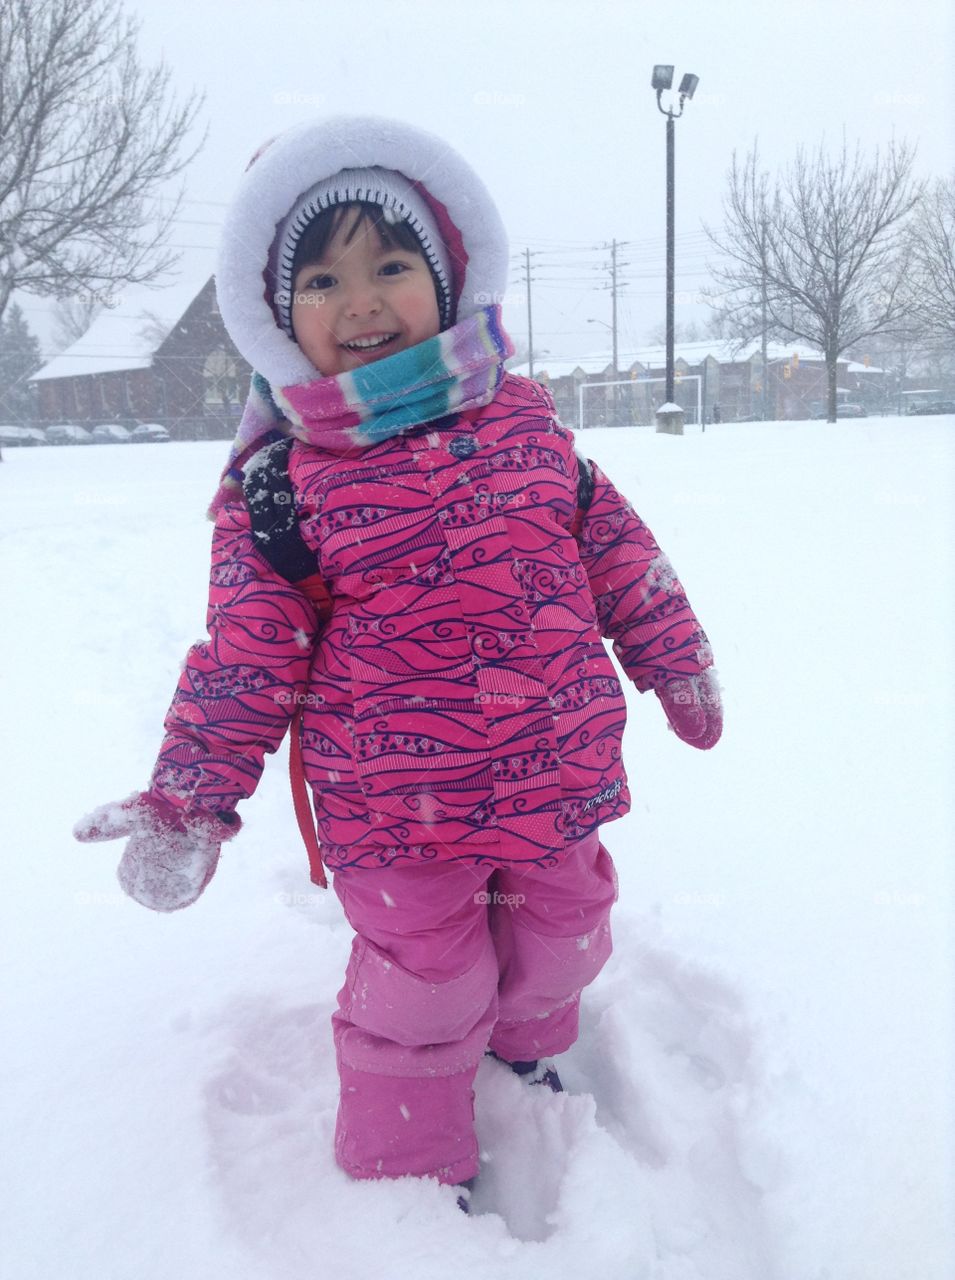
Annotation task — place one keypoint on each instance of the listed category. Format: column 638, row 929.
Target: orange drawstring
column 302, row 804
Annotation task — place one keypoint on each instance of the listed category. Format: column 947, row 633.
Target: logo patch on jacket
column 609, row 793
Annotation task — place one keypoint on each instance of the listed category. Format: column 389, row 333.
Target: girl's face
column 362, row 291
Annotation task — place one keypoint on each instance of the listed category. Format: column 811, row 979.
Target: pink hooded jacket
column 457, row 698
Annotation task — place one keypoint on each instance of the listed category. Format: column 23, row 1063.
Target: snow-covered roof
column 124, row 336
column 694, row 353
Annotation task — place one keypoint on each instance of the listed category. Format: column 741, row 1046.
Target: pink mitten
column 171, row 853
column 694, row 709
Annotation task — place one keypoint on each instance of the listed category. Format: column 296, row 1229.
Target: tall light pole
column 671, row 421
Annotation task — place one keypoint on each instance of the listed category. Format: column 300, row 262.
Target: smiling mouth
column 366, row 345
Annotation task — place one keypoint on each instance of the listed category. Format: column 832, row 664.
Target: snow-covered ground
column 763, row 1084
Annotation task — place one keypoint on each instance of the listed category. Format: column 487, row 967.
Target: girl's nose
column 363, row 300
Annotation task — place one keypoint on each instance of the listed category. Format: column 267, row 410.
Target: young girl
column 411, row 560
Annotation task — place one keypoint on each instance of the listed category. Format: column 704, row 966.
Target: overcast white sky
column 551, row 103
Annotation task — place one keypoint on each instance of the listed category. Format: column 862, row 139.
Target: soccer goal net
column 633, row 402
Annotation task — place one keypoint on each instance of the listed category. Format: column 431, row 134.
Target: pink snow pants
column 450, row 960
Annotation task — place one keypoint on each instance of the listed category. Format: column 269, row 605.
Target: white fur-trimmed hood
column 294, row 161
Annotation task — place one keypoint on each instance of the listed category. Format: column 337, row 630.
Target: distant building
column 705, row 374
column 162, row 355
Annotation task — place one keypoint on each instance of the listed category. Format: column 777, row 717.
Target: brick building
column 160, row 355
column 793, row 386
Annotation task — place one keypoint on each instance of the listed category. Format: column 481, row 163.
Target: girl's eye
column 319, row 282
column 400, row 267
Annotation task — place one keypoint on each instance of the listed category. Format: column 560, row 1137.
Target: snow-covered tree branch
column 932, row 279
column 819, row 254
column 88, row 138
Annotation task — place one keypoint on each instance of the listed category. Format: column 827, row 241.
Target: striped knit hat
column 399, row 202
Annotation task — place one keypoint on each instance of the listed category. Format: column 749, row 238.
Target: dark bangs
column 322, row 230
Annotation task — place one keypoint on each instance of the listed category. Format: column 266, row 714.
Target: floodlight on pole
column 662, row 76
column 663, row 79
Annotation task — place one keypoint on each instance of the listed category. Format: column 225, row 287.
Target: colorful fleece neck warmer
column 456, row 370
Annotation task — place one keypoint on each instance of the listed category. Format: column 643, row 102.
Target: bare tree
column 741, row 314
column 87, row 139
column 932, row 278
column 820, row 254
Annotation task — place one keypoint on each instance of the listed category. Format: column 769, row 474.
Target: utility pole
column 765, row 345
column 613, row 296
column 530, row 322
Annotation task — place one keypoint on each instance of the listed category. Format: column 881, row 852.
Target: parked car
column 21, row 437
column 842, row 411
column 148, row 432
column 934, row 406
column 110, row 433
column 66, row 433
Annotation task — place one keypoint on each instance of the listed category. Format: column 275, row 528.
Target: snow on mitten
column 694, row 708
column 171, row 853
